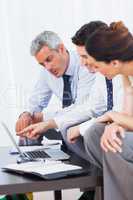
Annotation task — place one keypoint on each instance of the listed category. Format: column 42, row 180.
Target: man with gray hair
column 61, row 75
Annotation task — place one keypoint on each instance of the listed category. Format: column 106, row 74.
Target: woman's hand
column 107, row 117
column 111, row 139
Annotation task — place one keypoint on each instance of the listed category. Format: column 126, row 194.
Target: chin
column 57, row 75
column 110, row 77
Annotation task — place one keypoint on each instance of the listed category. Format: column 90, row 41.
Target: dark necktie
column 109, row 94
column 67, row 95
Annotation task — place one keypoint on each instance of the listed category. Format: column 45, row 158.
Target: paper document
column 43, row 168
column 47, row 142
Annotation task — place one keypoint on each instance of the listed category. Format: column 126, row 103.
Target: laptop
column 56, row 154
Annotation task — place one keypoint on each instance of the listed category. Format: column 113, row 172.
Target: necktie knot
column 66, row 77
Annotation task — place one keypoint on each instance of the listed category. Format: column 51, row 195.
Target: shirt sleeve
column 41, row 94
column 86, row 125
column 93, row 106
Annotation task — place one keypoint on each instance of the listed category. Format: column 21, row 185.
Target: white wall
column 21, row 21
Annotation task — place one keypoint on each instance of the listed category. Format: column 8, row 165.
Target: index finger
column 25, row 130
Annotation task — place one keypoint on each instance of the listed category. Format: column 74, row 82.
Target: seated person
column 61, row 74
column 109, row 144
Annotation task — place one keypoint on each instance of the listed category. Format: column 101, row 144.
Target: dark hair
column 82, row 34
column 110, row 43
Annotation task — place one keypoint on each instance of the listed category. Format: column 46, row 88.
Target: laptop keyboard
column 57, row 154
column 36, row 154
column 48, row 153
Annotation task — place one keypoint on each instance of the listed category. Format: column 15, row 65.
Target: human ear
column 115, row 63
column 61, row 48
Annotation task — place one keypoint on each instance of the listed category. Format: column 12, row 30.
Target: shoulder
column 73, row 53
column 74, row 56
column 99, row 77
column 47, row 77
column 117, row 81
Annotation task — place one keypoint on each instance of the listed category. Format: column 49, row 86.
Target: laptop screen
column 11, row 137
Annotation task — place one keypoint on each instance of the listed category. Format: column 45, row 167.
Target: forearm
column 123, row 120
column 51, row 124
column 73, row 117
column 40, row 95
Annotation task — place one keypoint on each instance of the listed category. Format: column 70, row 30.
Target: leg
column 94, row 151
column 57, row 195
column 53, row 134
column 99, row 193
column 117, row 168
column 118, row 172
column 92, row 144
column 78, row 147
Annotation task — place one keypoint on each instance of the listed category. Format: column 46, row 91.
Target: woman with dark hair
column 109, row 144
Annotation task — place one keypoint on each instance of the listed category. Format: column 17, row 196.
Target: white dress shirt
column 93, row 106
column 48, row 84
column 117, row 102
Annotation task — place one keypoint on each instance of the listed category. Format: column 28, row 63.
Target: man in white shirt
column 57, row 64
column 97, row 105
